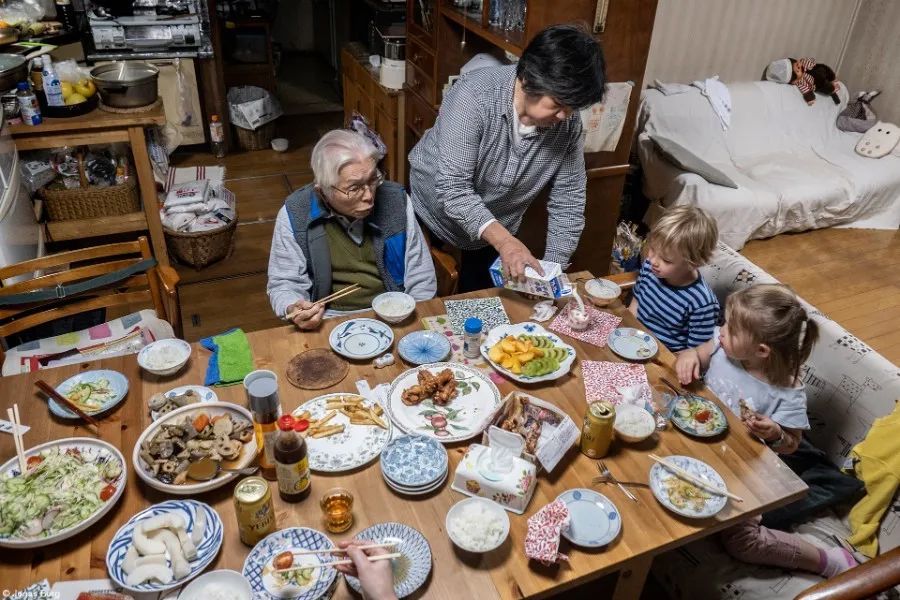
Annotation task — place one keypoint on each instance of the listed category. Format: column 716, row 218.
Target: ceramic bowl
column 456, row 512
column 279, row 144
column 601, row 292
column 393, row 307
column 178, row 347
column 234, row 581
column 641, row 423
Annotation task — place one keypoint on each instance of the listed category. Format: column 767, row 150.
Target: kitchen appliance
column 20, row 234
column 393, row 56
column 126, row 84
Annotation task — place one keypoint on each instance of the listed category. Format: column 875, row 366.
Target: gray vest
column 386, row 225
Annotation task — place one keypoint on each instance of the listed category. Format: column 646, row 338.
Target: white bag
column 252, row 107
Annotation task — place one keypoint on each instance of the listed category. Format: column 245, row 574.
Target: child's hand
column 687, row 366
column 764, row 427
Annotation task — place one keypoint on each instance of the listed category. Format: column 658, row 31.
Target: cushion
column 685, row 159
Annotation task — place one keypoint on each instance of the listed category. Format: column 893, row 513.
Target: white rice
column 163, row 357
column 217, row 591
column 393, row 307
column 477, row 528
column 634, row 422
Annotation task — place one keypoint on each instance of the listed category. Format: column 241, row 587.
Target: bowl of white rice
column 164, row 357
column 218, row 585
column 393, row 307
column 633, row 423
column 601, row 292
column 477, row 524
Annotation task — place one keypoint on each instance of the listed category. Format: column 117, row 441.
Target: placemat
column 602, row 380
column 489, row 310
column 440, row 324
column 317, row 369
column 601, row 325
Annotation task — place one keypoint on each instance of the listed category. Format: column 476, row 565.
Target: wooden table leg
column 631, row 578
column 147, row 184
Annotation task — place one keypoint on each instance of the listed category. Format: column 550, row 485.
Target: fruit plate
column 565, row 351
column 464, row 417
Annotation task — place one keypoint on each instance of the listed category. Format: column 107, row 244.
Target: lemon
column 85, row 87
column 75, row 99
column 67, row 89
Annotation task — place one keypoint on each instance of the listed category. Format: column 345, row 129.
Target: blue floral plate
column 410, row 570
column 413, row 461
column 632, row 343
column 112, row 387
column 423, row 347
column 681, row 496
column 361, row 339
column 594, row 519
column 258, row 568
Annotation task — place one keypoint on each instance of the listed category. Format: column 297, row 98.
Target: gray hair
column 334, row 151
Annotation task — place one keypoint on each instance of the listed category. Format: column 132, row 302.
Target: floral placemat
column 603, row 379
column 489, row 310
column 601, row 325
column 441, row 324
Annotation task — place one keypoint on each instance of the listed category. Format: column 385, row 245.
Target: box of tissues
column 497, row 472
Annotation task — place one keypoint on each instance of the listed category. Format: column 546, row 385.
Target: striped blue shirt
column 681, row 317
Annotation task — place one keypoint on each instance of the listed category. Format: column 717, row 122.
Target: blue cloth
column 681, row 317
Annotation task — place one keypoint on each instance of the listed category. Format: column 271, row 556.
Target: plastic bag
column 251, row 107
column 68, row 70
column 858, row 116
column 626, row 252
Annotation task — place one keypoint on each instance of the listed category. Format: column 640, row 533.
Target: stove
column 148, row 29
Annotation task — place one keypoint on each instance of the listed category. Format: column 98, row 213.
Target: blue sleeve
column 702, row 324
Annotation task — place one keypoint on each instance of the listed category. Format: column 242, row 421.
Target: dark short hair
column 566, row 63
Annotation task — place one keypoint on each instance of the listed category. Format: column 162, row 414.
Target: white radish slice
column 187, row 545
column 129, row 563
column 143, row 544
column 199, row 527
column 180, row 565
column 169, row 520
column 145, row 573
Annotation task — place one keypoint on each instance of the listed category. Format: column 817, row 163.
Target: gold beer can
column 597, row 431
column 254, row 510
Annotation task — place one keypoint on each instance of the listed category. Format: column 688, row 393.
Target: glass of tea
column 337, row 509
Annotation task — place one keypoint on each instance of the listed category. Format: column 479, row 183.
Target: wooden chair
column 865, row 581
column 446, row 268
column 154, row 287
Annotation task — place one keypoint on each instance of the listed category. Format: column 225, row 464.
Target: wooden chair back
column 446, row 268
column 156, row 287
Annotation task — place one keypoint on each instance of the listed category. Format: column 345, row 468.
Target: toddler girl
column 752, row 364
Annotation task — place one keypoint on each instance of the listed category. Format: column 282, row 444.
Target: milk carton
column 552, row 284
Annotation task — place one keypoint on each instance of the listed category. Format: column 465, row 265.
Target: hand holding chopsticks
column 698, row 481
column 350, row 289
column 13, row 416
column 47, row 389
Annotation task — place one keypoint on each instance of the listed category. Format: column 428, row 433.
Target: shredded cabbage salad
column 57, row 491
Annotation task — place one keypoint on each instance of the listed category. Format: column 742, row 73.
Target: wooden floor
column 851, row 275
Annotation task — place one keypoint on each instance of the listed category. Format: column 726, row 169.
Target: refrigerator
column 21, row 237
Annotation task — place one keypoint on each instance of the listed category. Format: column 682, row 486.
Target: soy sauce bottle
column 291, row 460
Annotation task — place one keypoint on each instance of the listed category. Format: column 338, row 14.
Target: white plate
column 194, row 514
column 204, row 393
column 633, row 344
column 594, row 519
column 354, row 447
column 118, row 384
column 88, row 447
column 501, row 331
column 710, row 506
column 294, row 538
column 248, row 453
column 361, row 339
column 464, row 417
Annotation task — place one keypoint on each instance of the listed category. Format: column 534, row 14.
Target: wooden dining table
column 749, row 468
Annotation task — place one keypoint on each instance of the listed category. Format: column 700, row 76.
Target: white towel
column 670, row 89
column 719, row 98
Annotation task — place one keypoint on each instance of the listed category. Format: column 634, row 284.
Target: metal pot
column 126, row 84
column 14, row 68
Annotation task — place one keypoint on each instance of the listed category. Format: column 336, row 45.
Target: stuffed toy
column 808, row 75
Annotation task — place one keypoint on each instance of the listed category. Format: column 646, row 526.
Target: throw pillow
column 684, row 159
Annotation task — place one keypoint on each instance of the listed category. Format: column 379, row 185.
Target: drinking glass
column 337, row 509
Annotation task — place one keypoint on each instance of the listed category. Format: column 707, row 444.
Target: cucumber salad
column 59, row 490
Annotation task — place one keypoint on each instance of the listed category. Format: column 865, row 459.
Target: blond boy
column 670, row 297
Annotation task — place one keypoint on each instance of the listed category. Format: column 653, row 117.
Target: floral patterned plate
column 632, row 343
column 266, row 585
column 501, row 331
column 682, row 497
column 410, row 570
column 414, row 461
column 348, row 450
column 361, row 339
column 464, row 417
column 594, row 521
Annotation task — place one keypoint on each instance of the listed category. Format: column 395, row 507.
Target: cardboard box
column 552, row 284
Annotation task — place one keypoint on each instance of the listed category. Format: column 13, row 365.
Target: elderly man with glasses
column 347, row 227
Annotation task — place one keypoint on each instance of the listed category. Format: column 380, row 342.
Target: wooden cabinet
column 246, row 295
column 382, row 107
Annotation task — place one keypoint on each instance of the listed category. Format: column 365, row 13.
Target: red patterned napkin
column 544, row 527
column 601, row 325
column 602, row 380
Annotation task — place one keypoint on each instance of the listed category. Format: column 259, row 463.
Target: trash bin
column 253, row 112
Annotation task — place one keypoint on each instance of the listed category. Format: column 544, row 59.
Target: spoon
column 207, row 468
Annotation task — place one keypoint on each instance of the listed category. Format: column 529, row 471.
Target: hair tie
column 802, row 335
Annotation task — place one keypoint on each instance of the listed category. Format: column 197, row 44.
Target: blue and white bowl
column 423, row 347
column 196, row 514
column 118, row 383
column 361, row 339
column 659, row 474
column 410, row 570
column 594, row 521
column 414, row 461
column 258, row 566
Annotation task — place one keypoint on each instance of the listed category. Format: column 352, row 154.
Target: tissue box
column 513, row 491
column 553, row 284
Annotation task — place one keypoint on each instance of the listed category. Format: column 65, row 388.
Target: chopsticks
column 701, row 483
column 45, row 387
column 375, row 558
column 350, row 289
column 331, row 550
column 13, row 415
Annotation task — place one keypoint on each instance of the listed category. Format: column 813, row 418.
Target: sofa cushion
column 690, row 162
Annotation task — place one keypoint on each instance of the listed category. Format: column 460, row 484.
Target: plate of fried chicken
column 447, row 401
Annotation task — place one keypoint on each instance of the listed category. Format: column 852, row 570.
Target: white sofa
column 794, row 169
column 849, row 385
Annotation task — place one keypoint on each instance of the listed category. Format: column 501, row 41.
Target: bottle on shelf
column 52, row 85
column 216, row 136
column 292, row 460
column 65, row 14
column 28, row 104
column 37, row 77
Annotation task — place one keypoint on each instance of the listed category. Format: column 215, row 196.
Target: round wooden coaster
column 136, row 109
column 316, row 369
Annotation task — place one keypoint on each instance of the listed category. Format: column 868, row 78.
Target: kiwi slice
column 558, row 354
column 540, row 366
column 538, row 341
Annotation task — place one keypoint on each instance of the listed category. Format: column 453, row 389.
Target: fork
column 602, row 479
column 604, row 472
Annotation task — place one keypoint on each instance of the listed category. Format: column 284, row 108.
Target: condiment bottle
column 262, row 391
column 291, row 460
column 472, row 337
column 28, row 105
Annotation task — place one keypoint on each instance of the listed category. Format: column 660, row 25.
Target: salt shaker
column 472, row 337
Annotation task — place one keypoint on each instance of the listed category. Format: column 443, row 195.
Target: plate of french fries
column 346, row 431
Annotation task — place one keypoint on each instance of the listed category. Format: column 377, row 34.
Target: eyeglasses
column 356, row 192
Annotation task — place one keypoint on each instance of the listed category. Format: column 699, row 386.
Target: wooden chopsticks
column 13, row 416
column 701, row 483
column 47, row 389
column 332, row 550
column 375, row 558
column 350, row 289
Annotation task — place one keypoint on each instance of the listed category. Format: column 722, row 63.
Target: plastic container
column 52, row 85
column 29, row 108
column 216, row 137
column 472, row 337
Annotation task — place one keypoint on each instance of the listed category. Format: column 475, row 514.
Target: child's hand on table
column 763, row 427
column 687, row 366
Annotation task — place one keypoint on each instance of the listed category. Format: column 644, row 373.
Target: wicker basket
column 201, row 248
column 258, row 139
column 89, row 202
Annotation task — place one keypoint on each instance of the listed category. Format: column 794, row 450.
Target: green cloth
column 351, row 264
column 234, row 356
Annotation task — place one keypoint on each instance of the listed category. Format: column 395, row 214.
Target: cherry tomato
column 107, row 492
column 703, row 416
column 284, row 560
column 34, row 461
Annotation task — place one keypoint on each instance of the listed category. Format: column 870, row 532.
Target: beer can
column 254, row 509
column 597, row 431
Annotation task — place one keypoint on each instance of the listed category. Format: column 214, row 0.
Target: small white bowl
column 235, row 582
column 279, row 144
column 403, row 303
column 602, row 292
column 180, row 346
column 455, row 512
column 644, row 423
